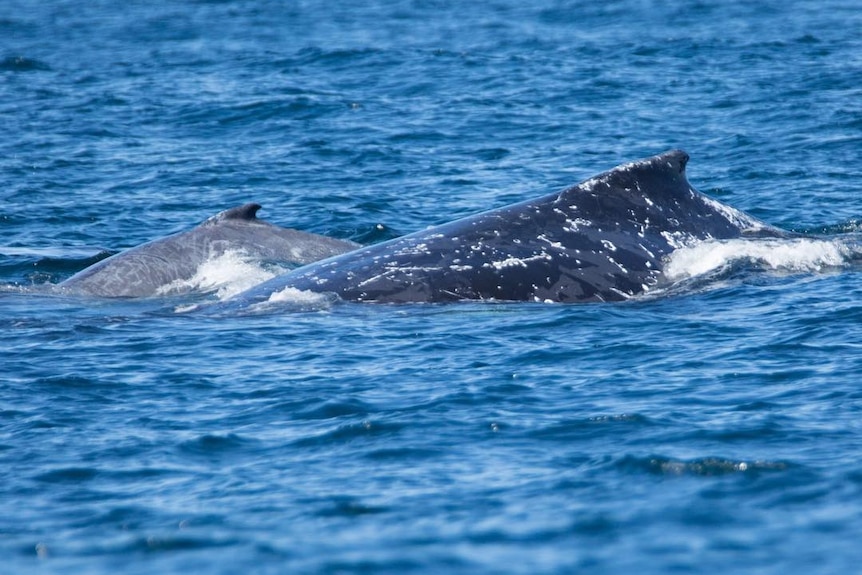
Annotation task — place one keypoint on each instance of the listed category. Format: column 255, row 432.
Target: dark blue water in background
column 716, row 430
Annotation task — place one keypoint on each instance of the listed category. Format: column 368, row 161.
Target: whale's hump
column 243, row 213
column 672, row 161
column 676, row 160
column 667, row 168
column 654, row 186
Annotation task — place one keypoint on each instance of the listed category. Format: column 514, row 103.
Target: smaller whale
column 146, row 270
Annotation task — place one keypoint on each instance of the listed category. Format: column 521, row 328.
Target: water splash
column 225, row 276
column 296, row 299
column 787, row 255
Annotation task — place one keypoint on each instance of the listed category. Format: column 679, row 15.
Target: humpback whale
column 604, row 239
column 144, row 270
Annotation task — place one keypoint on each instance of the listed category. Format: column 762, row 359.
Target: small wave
column 52, row 253
column 704, row 467
column 788, row 255
column 22, row 64
column 853, row 226
column 210, row 444
column 36, row 266
column 74, row 475
column 349, row 432
column 331, row 409
column 345, row 506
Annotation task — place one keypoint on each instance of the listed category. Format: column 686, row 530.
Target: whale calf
column 603, row 239
column 146, row 270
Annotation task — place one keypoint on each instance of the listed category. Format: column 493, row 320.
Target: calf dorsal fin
column 245, row 212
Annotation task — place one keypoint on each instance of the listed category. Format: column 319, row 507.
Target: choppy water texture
column 715, row 429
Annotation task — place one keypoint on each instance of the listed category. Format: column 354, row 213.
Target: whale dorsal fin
column 245, row 212
column 670, row 164
column 659, row 179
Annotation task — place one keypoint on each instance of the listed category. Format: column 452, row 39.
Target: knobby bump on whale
column 605, row 239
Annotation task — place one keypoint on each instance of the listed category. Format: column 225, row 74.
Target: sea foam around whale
column 794, row 255
column 224, row 276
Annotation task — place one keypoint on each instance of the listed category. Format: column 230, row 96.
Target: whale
column 602, row 240
column 152, row 268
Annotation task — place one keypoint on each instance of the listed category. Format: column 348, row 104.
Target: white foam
column 295, row 298
column 299, row 297
column 790, row 255
column 225, row 275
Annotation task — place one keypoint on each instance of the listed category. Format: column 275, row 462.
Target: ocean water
column 716, row 427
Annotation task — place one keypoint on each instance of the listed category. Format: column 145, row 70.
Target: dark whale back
column 600, row 240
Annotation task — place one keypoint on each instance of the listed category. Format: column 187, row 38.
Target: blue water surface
column 714, row 430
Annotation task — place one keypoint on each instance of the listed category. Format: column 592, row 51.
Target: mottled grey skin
column 145, row 270
column 601, row 240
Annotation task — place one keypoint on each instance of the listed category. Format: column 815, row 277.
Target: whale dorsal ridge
column 663, row 173
column 245, row 212
column 673, row 161
column 677, row 160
